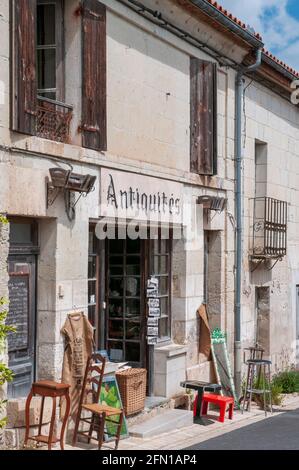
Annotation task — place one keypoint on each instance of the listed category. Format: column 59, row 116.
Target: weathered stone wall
column 273, row 122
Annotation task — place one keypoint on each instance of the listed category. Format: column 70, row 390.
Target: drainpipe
column 239, row 217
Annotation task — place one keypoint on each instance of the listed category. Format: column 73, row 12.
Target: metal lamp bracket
column 52, row 193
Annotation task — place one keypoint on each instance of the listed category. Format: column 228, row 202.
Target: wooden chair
column 100, row 414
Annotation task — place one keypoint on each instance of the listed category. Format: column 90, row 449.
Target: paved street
column 276, row 433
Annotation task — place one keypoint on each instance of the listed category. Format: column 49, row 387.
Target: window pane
column 116, row 308
column 116, row 287
column 92, row 292
column 133, row 265
column 132, row 352
column 116, row 329
column 164, row 305
column 116, row 270
column 132, row 330
column 133, row 308
column 160, row 264
column 45, row 25
column 20, row 233
column 163, row 327
column 133, row 246
column 163, row 285
column 46, row 68
column 92, row 263
column 113, row 260
column 51, row 95
column 115, row 351
column 116, row 246
column 92, row 315
column 132, row 287
column 160, row 246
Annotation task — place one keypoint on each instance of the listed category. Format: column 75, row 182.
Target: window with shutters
column 93, row 125
column 49, row 49
column 203, row 118
column 38, row 77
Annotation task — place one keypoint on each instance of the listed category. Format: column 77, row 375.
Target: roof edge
column 236, row 26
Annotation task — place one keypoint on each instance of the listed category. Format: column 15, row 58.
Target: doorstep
column 169, row 421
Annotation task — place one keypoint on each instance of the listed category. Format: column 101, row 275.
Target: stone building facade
column 149, row 136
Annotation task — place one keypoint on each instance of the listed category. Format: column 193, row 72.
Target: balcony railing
column 53, row 119
column 269, row 228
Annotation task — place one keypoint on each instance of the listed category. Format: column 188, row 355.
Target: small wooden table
column 47, row 388
column 200, row 387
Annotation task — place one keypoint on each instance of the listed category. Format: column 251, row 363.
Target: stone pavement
column 187, row 437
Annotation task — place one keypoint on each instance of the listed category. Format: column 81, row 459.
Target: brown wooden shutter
column 93, row 125
column 24, row 49
column 203, row 117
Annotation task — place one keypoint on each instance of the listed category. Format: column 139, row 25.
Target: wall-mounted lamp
column 212, row 203
column 66, row 181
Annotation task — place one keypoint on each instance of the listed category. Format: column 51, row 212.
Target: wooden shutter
column 93, row 125
column 203, row 117
column 24, row 50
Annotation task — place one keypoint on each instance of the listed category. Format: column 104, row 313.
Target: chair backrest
column 93, row 378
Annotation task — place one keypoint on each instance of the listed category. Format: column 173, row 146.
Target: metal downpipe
column 239, row 219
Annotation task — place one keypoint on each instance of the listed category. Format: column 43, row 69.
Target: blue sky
column 276, row 20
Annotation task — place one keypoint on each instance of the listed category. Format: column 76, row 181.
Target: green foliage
column 276, row 391
column 3, row 219
column 6, row 374
column 288, row 381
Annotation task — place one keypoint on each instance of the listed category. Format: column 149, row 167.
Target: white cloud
column 270, row 18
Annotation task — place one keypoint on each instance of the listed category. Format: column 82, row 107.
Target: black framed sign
column 18, row 315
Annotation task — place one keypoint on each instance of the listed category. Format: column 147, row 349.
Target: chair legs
column 101, row 430
column 121, row 418
column 75, row 435
column 231, row 411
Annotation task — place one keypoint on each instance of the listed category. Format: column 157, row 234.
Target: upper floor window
column 38, row 72
column 203, row 117
column 50, row 49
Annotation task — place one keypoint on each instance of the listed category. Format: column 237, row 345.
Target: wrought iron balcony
column 269, row 228
column 53, row 120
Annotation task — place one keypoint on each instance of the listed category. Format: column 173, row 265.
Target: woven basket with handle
column 132, row 387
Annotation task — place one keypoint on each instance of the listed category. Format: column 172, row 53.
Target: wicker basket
column 132, row 387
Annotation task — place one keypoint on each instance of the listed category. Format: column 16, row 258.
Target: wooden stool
column 47, row 388
column 220, row 401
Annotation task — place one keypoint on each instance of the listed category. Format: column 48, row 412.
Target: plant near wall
column 6, row 374
column 288, row 381
column 3, row 219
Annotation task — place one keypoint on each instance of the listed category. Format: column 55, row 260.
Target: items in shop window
column 153, row 321
column 154, row 311
column 152, row 331
column 153, row 303
column 152, row 287
column 152, row 340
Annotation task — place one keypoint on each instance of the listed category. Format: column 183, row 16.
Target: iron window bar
column 269, row 229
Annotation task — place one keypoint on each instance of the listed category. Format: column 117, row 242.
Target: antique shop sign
column 134, row 196
column 18, row 311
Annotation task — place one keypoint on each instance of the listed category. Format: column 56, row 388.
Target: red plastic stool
column 221, row 401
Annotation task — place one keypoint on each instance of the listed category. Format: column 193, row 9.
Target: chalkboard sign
column 18, row 311
column 222, row 364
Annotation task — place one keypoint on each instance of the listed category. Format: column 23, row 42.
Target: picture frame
column 152, row 321
column 154, row 312
column 152, row 331
column 110, row 396
column 153, row 303
column 152, row 340
column 222, row 364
